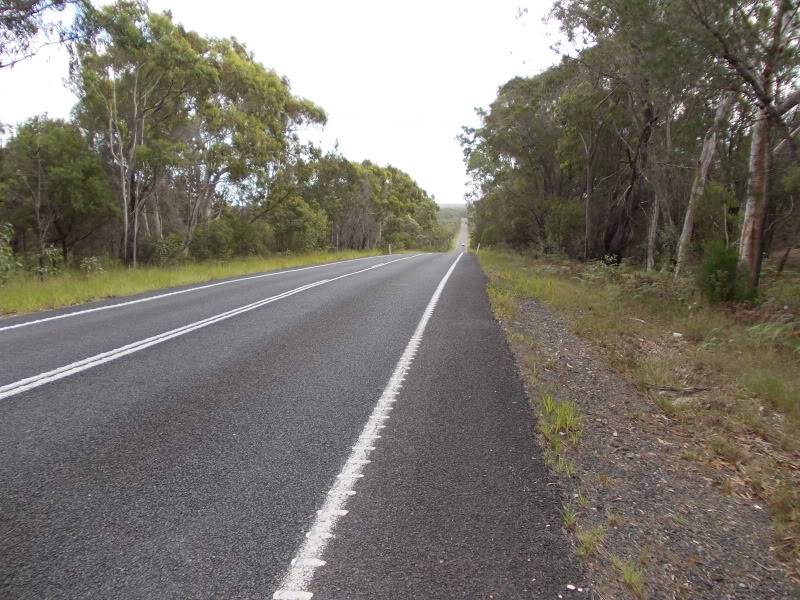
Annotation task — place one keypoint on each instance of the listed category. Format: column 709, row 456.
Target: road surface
column 354, row 430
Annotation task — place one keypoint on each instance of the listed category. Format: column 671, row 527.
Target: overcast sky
column 397, row 79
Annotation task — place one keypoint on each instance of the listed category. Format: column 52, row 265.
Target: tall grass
column 26, row 293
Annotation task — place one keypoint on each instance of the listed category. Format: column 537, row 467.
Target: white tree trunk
column 700, row 179
column 757, row 190
column 652, row 231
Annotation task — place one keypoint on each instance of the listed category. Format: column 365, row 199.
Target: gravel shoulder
column 658, row 515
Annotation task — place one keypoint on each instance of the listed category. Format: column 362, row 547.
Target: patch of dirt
column 658, row 507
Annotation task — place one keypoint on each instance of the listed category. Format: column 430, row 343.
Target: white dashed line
column 295, row 584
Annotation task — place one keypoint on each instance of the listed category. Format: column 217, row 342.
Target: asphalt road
column 182, row 446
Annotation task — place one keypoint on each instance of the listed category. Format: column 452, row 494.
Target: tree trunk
column 157, row 219
column 135, row 238
column 620, row 215
column 784, row 258
column 755, row 211
column 589, row 190
column 699, row 183
column 652, row 230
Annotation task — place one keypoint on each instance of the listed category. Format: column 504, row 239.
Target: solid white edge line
column 308, row 558
column 22, row 385
column 176, row 293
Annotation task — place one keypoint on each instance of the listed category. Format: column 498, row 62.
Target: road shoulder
column 647, row 520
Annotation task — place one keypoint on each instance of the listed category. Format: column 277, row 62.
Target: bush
column 168, row 250
column 251, row 238
column 49, row 263
column 720, row 278
column 215, row 240
column 91, row 265
column 8, row 263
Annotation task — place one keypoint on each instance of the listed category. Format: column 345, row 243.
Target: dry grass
column 730, row 376
column 589, row 541
column 631, row 575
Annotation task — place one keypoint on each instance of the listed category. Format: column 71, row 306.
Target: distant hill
column 451, row 214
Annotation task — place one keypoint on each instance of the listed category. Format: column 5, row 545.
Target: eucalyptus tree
column 757, row 41
column 134, row 73
column 243, row 122
column 23, row 21
column 635, row 46
column 513, row 158
column 586, row 111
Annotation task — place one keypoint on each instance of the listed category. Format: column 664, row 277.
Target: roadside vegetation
column 100, row 281
column 183, row 151
column 727, row 376
column 661, row 136
column 645, row 189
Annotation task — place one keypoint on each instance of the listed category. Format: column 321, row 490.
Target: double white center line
column 12, row 389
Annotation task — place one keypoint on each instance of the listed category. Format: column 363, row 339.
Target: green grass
column 27, row 293
column 570, row 516
column 746, row 359
column 560, row 418
column 589, row 541
column 631, row 575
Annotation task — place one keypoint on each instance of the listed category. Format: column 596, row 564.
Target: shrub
column 7, row 261
column 719, row 277
column 215, row 240
column 91, row 265
column 168, row 250
column 49, row 263
column 251, row 238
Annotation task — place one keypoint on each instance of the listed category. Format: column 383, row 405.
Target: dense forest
column 181, row 147
column 670, row 128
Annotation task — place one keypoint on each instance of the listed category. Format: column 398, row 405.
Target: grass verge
column 27, row 294
column 729, row 376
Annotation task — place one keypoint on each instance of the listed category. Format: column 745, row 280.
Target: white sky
column 397, row 79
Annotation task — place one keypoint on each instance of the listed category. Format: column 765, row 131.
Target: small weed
column 502, row 300
column 570, row 516
column 613, row 519
column 581, row 498
column 631, row 575
column 726, row 449
column 691, row 455
column 680, row 520
column 560, row 418
column 654, row 370
column 785, row 506
column 605, row 481
column 781, row 394
column 589, row 541
column 565, row 466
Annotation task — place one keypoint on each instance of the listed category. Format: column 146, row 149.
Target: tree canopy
column 671, row 118
column 186, row 146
